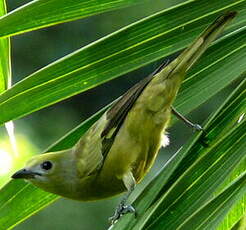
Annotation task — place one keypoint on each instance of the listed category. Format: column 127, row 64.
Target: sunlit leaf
column 240, row 225
column 210, row 215
column 128, row 49
column 5, row 76
column 38, row 14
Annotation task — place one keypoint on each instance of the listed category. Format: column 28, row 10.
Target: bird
column 119, row 149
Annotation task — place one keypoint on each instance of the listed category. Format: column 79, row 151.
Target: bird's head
column 52, row 172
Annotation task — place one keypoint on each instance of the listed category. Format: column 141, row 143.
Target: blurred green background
column 34, row 133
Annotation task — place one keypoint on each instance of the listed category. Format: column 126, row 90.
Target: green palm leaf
column 121, row 52
column 38, row 14
column 194, row 180
column 5, row 56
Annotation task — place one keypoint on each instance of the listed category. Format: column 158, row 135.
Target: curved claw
column 120, row 211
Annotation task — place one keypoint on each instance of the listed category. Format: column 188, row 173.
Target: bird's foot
column 121, row 210
column 197, row 127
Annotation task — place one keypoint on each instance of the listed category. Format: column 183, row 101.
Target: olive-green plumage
column 120, row 148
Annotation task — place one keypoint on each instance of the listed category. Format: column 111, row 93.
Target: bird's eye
column 46, row 165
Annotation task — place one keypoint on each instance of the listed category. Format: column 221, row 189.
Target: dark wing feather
column 117, row 113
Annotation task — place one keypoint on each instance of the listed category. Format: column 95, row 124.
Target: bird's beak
column 24, row 174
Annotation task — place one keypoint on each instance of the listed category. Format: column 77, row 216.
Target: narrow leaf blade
column 209, row 216
column 121, row 52
column 39, row 14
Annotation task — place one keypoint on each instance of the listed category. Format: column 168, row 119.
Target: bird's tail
column 190, row 55
column 163, row 87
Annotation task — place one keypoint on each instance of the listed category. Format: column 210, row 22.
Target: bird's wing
column 92, row 148
column 117, row 113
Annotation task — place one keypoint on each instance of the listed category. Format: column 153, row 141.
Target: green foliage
column 203, row 181
column 125, row 50
column 39, row 14
column 5, row 75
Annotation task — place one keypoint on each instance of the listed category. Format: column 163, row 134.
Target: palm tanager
column 120, row 148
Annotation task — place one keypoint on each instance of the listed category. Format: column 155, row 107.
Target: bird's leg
column 196, row 127
column 124, row 208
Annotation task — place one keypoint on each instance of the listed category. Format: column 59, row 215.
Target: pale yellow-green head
column 52, row 172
